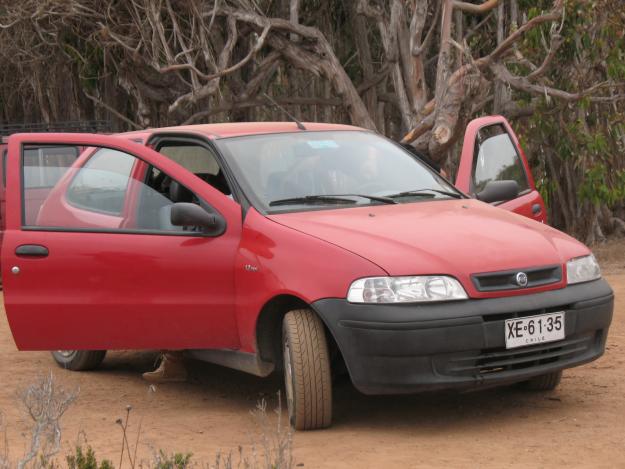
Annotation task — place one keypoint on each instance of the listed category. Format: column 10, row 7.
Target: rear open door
column 491, row 152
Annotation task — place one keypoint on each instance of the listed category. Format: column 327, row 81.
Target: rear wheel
column 307, row 377
column 546, row 382
column 79, row 360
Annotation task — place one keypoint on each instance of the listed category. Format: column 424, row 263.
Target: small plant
column 276, row 441
column 173, row 461
column 86, row 460
column 46, row 402
column 132, row 458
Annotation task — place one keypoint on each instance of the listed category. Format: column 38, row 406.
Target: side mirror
column 498, row 191
column 187, row 214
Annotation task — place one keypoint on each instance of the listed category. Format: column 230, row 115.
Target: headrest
column 179, row 193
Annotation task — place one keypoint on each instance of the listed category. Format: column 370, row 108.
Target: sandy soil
column 582, row 424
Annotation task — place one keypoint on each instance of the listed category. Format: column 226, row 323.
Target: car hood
column 454, row 237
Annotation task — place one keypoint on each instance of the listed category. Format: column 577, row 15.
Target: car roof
column 238, row 129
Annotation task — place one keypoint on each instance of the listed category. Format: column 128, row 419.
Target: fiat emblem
column 521, row 279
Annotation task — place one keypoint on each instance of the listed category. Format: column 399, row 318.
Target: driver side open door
column 491, row 152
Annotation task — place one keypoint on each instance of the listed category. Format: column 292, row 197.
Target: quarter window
column 496, row 159
column 101, row 183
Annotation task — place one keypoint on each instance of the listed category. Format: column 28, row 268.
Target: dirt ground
column 582, row 424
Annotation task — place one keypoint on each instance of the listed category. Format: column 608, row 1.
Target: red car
column 266, row 247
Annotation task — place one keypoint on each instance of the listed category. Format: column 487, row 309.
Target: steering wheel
column 371, row 187
column 292, row 180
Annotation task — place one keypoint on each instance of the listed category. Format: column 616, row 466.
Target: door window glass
column 110, row 191
column 101, row 184
column 44, row 166
column 496, row 159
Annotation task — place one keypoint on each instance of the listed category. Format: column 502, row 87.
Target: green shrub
column 86, row 460
column 173, row 461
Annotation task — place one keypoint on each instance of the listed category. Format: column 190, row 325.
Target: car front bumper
column 395, row 349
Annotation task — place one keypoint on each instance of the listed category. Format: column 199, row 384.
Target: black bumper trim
column 406, row 326
column 391, row 349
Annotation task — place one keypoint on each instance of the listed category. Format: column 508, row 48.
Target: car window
column 496, row 159
column 198, row 159
column 195, row 158
column 4, row 167
column 274, row 167
column 44, row 166
column 101, row 183
column 109, row 191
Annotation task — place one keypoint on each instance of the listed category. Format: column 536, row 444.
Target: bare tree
column 415, row 70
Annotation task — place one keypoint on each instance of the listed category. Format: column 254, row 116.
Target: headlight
column 582, row 269
column 405, row 289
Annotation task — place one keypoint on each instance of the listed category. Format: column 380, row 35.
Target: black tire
column 546, row 382
column 79, row 360
column 307, row 375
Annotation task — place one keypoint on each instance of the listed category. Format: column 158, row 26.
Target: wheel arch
column 269, row 327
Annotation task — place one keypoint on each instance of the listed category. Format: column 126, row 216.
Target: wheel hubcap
column 66, row 353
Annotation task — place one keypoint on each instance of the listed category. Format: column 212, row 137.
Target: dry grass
column 45, row 402
column 4, row 445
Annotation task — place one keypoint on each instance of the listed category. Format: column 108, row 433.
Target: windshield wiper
column 330, row 198
column 377, row 198
column 425, row 193
column 312, row 199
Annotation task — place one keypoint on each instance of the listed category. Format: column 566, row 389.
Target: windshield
column 298, row 171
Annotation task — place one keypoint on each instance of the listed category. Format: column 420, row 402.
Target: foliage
column 173, row 461
column 413, row 69
column 578, row 148
column 86, row 460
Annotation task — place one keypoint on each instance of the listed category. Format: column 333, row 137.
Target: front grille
column 507, row 280
column 500, row 360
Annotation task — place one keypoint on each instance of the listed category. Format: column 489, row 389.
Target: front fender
column 276, row 260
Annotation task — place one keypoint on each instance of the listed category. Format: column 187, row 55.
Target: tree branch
column 472, row 8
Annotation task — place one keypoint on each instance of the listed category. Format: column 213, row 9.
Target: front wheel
column 307, row 377
column 79, row 360
column 546, row 382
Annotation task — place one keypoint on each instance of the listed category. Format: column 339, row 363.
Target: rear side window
column 101, row 183
column 496, row 159
column 44, row 166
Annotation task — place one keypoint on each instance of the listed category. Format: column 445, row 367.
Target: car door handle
column 536, row 209
column 31, row 250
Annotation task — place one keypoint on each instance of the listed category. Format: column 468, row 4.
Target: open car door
column 490, row 154
column 106, row 257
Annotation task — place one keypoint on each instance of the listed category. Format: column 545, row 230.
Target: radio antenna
column 291, row 116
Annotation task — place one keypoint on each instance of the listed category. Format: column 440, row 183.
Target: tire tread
column 546, row 382
column 311, row 370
